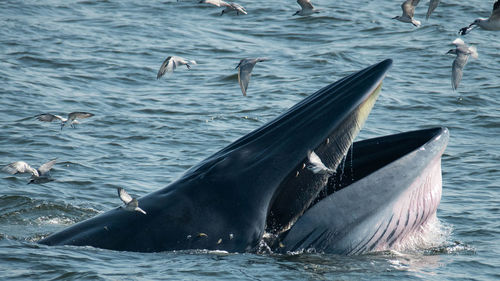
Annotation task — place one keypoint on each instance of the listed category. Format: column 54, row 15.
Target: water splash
column 433, row 234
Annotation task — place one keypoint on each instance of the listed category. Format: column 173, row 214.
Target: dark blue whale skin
column 388, row 188
column 255, row 185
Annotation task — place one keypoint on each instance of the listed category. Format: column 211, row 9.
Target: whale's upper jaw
column 342, row 109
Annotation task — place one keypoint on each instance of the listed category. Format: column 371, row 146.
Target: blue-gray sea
column 103, row 56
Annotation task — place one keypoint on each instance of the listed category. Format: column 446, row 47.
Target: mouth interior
column 368, row 156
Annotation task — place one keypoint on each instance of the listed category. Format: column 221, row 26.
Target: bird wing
column 239, row 8
column 457, row 70
column 315, row 160
column 473, row 52
column 224, row 4
column 432, row 6
column 140, row 210
column 244, row 74
column 459, row 43
column 166, row 66
column 495, row 14
column 47, row 117
column 172, row 66
column 213, row 2
column 19, row 167
column 124, row 196
column 80, row 115
column 47, row 166
column 408, row 7
column 305, row 4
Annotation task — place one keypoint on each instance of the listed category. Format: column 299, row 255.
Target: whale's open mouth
column 384, row 190
column 368, row 156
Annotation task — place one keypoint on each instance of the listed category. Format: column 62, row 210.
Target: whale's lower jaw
column 415, row 208
column 394, row 194
column 403, row 219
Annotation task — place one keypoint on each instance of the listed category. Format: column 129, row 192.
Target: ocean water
column 103, row 56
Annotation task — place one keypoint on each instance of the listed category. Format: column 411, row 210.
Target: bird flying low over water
column 218, row 3
column 491, row 23
column 40, row 175
column 229, row 6
column 463, row 52
column 432, row 6
column 316, row 165
column 234, row 7
column 408, row 8
column 171, row 63
column 47, row 117
column 306, row 8
column 131, row 204
column 245, row 68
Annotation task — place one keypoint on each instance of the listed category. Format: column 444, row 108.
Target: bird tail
column 473, row 52
column 415, row 22
column 192, row 62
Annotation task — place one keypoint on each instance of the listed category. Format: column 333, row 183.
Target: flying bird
column 234, row 7
column 228, row 6
column 171, row 63
column 47, row 117
column 491, row 23
column 131, row 204
column 432, row 6
column 408, row 8
column 306, row 8
column 40, row 175
column 463, row 52
column 218, row 3
column 316, row 165
column 245, row 68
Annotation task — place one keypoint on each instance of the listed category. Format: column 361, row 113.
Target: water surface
column 102, row 57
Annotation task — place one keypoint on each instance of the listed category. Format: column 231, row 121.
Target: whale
column 258, row 191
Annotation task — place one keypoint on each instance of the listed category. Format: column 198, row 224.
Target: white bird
column 491, row 23
column 40, row 175
column 171, row 63
column 229, row 6
column 234, row 7
column 245, row 68
column 408, row 8
column 316, row 165
column 432, row 6
column 218, row 3
column 463, row 52
column 47, row 117
column 131, row 204
column 306, row 8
